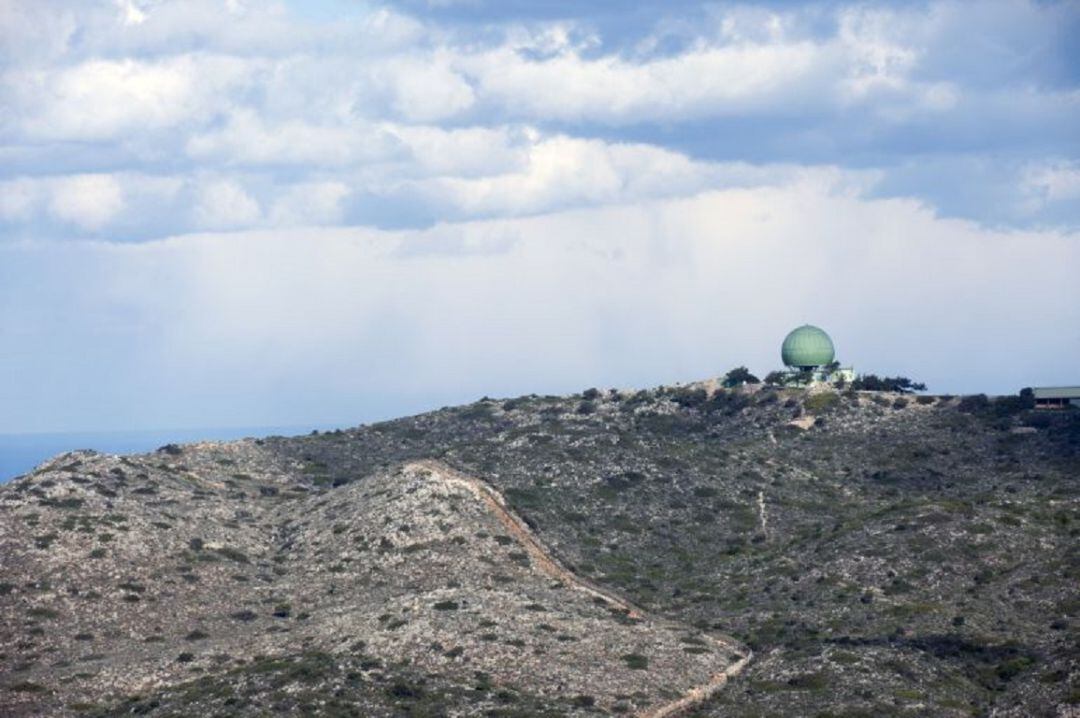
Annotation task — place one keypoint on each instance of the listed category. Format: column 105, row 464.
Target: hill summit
column 751, row 551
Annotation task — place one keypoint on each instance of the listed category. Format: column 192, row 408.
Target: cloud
column 224, row 204
column 711, row 80
column 426, row 89
column 346, row 324
column 560, row 171
column 18, row 199
column 447, row 115
column 101, row 99
column 1051, row 183
column 248, row 140
column 309, row 204
column 87, row 201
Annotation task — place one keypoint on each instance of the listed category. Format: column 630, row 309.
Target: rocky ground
column 869, row 555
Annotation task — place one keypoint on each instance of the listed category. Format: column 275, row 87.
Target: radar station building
column 810, row 357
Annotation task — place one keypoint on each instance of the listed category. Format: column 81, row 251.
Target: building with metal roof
column 1056, row 397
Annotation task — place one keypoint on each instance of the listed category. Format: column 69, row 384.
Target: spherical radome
column 807, row 346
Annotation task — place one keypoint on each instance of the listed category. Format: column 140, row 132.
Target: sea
column 20, row 453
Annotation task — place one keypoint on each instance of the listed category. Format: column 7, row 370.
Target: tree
column 776, row 378
column 738, row 376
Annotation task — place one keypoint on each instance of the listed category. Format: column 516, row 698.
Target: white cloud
column 1051, row 183
column 425, row 89
column 438, row 122
column 247, row 139
column 224, row 204
column 19, row 199
column 100, row 99
column 551, row 173
column 706, row 80
column 562, row 171
column 87, row 201
column 467, row 151
column 309, row 203
column 130, row 12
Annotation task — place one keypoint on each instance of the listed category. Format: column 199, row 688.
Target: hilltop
column 754, row 551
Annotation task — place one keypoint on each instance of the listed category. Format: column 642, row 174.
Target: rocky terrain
column 689, row 550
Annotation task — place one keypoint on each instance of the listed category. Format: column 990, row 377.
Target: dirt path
column 547, row 564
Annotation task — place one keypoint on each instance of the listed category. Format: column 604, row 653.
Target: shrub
column 726, row 402
column 590, row 394
column 1004, row 406
column 897, row 384
column 233, row 554
column 400, row 689
column 973, row 403
column 636, row 661
column 821, row 403
column 689, row 398
column 446, row 606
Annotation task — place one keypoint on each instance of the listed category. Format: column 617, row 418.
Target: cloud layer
column 223, row 212
column 279, row 327
column 397, row 119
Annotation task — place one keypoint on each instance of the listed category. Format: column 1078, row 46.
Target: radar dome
column 807, row 347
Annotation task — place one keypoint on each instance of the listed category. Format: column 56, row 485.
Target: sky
column 238, row 213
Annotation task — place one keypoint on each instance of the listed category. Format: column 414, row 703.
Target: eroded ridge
column 549, row 565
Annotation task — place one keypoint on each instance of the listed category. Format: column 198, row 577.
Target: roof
column 1057, row 392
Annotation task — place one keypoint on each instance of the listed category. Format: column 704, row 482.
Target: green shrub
column 636, row 661
column 233, row 554
column 821, row 403
column 898, row 384
column 973, row 404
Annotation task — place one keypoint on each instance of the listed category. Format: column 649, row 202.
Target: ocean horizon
column 21, row 453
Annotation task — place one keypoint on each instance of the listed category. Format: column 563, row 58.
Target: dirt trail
column 550, row 566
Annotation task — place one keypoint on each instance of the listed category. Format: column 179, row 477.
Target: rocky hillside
column 751, row 552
